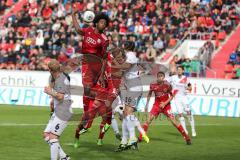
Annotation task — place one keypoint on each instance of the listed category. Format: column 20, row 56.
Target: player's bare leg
column 56, row 149
column 180, row 129
column 146, row 125
column 82, row 127
column 106, row 114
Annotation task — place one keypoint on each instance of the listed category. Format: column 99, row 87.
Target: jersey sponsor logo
column 90, row 40
column 99, row 41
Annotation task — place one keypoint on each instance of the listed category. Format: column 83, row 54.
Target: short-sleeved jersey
column 161, row 90
column 179, row 85
column 94, row 43
column 133, row 72
column 62, row 85
column 62, row 109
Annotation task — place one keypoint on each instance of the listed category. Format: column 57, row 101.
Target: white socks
column 62, row 154
column 182, row 121
column 192, row 123
column 125, row 134
column 54, row 148
column 131, row 128
column 115, row 126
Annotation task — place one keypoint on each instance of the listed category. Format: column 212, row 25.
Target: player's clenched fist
column 47, row 89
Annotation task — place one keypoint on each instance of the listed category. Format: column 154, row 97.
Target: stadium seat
column 166, row 57
column 222, row 35
column 229, row 68
column 230, row 75
column 172, row 42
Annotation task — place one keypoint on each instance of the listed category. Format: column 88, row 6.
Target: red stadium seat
column 222, row 35
column 230, row 75
column 172, row 42
column 229, row 68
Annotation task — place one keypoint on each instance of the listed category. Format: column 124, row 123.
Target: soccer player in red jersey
column 163, row 95
column 106, row 94
column 94, row 48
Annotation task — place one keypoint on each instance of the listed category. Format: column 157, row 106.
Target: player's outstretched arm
column 124, row 66
column 75, row 22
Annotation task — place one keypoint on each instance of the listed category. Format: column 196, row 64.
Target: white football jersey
column 133, row 72
column 119, row 109
column 179, row 85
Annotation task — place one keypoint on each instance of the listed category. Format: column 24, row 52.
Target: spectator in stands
column 173, row 65
column 187, row 67
column 2, row 7
column 195, row 66
column 151, row 53
column 159, row 45
column 140, row 22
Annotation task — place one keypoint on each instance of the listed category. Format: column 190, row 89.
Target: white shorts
column 180, row 105
column 56, row 125
column 132, row 93
column 131, row 98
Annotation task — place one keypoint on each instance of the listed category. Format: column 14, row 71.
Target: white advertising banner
column 26, row 88
column 213, row 97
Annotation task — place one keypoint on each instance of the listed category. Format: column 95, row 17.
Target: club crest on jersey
column 90, row 40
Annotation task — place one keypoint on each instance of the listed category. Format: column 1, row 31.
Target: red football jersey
column 94, row 43
column 161, row 91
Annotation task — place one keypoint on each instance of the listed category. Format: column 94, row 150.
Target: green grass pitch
column 21, row 129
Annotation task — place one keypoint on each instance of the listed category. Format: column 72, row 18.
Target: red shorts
column 156, row 110
column 101, row 110
column 104, row 94
column 90, row 73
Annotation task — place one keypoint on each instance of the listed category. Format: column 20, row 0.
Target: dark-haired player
column 163, row 95
column 94, row 48
column 181, row 86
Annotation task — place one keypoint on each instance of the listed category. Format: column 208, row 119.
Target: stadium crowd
column 43, row 29
column 6, row 4
column 232, row 68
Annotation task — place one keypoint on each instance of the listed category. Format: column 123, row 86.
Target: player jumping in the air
column 163, row 95
column 94, row 48
column 181, row 86
column 60, row 92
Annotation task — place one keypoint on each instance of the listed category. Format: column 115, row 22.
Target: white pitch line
column 71, row 124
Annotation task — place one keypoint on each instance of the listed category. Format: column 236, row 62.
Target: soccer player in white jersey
column 118, row 111
column 60, row 92
column 181, row 86
column 131, row 95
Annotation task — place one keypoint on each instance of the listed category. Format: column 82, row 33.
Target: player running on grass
column 163, row 95
column 60, row 92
